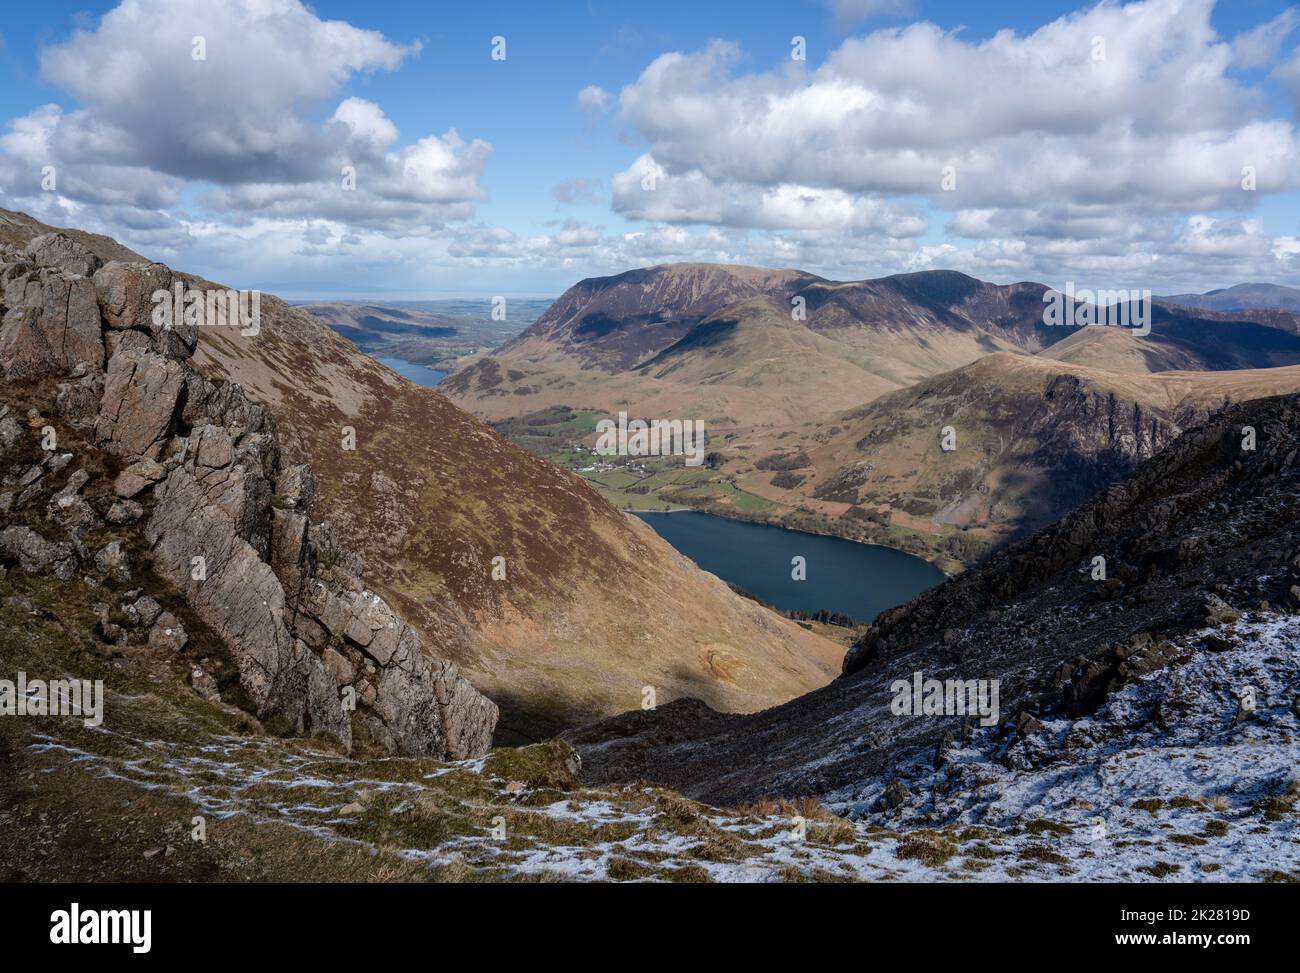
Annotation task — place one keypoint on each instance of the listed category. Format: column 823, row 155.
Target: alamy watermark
column 75, row 926
column 1081, row 307
column 946, row 697
column 654, row 437
column 212, row 308
column 57, row 697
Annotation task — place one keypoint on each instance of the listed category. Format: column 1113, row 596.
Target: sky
column 413, row 150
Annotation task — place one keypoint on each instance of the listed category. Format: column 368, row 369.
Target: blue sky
column 1112, row 173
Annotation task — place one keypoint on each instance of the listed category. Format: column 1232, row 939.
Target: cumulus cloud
column 245, row 81
column 1098, row 134
column 1035, row 158
column 1016, row 117
column 648, row 191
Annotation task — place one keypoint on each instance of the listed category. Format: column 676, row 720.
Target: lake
column 860, row 580
column 419, row 374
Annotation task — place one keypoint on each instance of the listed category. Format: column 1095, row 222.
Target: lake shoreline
column 794, row 570
column 760, row 522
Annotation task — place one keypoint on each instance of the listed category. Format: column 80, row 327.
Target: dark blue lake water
column 419, row 374
column 860, row 580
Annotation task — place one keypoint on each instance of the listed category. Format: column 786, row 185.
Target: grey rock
column 51, row 326
column 137, row 478
column 148, row 609
column 113, row 561
column 126, row 299
column 36, row 555
column 60, row 251
column 279, row 591
column 203, row 684
column 58, row 462
column 124, row 512
column 78, row 402
column 297, row 486
column 895, row 796
column 11, row 431
column 72, row 512
column 339, row 668
column 167, row 634
column 142, row 397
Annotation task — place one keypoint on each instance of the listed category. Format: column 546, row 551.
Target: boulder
column 124, row 512
column 126, row 293
column 168, row 634
column 894, row 796
column 137, row 478
column 113, row 561
column 147, row 609
column 60, row 251
column 142, row 398
column 51, row 326
column 338, row 666
column 36, row 555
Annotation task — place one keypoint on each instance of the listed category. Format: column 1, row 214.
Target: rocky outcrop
column 51, row 315
column 223, row 520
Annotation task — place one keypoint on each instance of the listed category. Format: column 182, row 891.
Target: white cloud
column 1289, row 74
column 1259, row 47
column 1127, row 169
column 239, row 120
column 647, row 191
column 1098, row 160
column 594, row 100
column 1158, row 122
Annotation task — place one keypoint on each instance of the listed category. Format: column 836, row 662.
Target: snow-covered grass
column 1166, row 781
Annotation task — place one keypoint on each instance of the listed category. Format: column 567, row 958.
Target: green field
column 556, row 435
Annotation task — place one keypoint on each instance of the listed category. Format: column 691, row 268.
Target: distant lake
column 419, row 374
column 860, row 580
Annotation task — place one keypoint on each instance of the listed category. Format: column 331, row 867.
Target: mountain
column 744, row 347
column 827, row 420
column 366, row 323
column 612, row 323
column 1241, row 297
column 1181, row 341
column 1121, row 700
column 1146, row 729
column 1032, row 439
column 1145, row 725
column 593, row 605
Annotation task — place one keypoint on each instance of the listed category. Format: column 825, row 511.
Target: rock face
column 223, row 521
